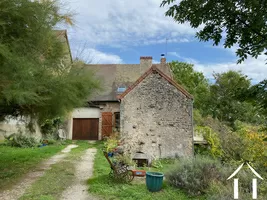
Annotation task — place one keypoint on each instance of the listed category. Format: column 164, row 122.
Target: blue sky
column 120, row 31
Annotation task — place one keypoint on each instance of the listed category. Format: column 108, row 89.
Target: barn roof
column 116, row 78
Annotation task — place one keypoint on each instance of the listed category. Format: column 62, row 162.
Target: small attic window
column 121, row 89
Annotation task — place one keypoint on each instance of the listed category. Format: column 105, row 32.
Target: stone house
column 156, row 117
column 151, row 111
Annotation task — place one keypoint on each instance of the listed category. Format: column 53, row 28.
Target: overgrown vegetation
column 230, row 98
column 230, row 115
column 195, row 175
column 50, row 127
column 212, row 138
column 37, row 78
column 207, row 176
column 28, row 140
column 229, row 147
column 111, row 143
column 21, row 140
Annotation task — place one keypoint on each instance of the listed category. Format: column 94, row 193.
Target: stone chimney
column 164, row 67
column 162, row 59
column 145, row 62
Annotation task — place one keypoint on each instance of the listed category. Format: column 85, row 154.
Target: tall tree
column 228, row 102
column 243, row 22
column 35, row 78
column 258, row 96
column 193, row 81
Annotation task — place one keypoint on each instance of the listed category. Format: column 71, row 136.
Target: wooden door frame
column 106, row 126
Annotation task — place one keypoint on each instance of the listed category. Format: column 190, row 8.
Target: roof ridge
column 162, row 74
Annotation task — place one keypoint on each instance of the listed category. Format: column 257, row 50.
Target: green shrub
column 49, row 139
column 124, row 159
column 218, row 191
column 111, row 143
column 21, row 140
column 194, row 175
column 197, row 117
column 50, row 126
column 214, row 145
column 204, row 175
column 156, row 163
column 223, row 190
column 247, row 143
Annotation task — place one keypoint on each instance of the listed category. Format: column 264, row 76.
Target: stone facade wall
column 156, row 119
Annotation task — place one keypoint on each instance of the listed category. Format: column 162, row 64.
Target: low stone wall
column 16, row 125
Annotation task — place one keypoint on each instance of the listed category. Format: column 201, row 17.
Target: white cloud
column 256, row 69
column 120, row 22
column 155, row 61
column 93, row 56
column 175, row 54
column 164, row 40
column 104, row 58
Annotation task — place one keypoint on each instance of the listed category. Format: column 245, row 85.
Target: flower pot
column 110, row 154
column 154, row 181
column 140, row 173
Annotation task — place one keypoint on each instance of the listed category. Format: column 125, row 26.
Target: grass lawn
column 106, row 188
column 16, row 162
column 58, row 178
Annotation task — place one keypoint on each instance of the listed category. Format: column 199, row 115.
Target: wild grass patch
column 16, row 162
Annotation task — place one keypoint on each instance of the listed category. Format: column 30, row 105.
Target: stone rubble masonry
column 156, row 119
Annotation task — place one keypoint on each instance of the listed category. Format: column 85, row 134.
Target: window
column 121, row 90
column 117, row 120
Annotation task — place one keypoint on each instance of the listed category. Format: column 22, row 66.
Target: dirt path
column 19, row 189
column 84, row 170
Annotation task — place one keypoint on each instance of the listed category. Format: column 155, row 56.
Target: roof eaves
column 68, row 43
column 149, row 71
column 64, row 32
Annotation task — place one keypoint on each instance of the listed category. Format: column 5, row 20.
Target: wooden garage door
column 85, row 129
column 106, row 124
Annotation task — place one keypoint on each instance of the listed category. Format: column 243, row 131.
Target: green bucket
column 154, row 181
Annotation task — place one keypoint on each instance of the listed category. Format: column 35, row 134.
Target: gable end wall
column 156, row 119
